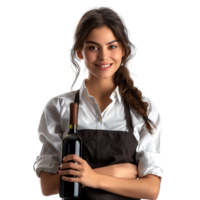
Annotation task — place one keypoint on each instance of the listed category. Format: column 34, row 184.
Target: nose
column 103, row 54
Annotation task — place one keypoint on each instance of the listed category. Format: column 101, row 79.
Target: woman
column 114, row 120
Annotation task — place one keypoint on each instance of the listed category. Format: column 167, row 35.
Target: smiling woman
column 120, row 129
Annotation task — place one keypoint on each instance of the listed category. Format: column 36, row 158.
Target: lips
column 104, row 68
column 106, row 64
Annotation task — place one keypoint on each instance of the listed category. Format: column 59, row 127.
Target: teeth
column 103, row 65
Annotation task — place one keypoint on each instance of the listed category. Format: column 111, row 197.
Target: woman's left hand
column 83, row 172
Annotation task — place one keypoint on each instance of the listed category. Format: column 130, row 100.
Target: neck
column 100, row 88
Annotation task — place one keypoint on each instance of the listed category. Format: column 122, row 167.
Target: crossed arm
column 145, row 188
column 121, row 179
column 118, row 179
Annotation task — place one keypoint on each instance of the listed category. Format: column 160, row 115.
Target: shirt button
column 99, row 119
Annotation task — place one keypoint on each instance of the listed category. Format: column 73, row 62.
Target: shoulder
column 61, row 99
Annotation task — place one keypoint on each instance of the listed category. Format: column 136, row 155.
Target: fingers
column 70, row 169
column 69, row 172
column 73, row 157
column 70, row 165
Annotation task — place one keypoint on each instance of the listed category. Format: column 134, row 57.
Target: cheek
column 117, row 58
column 90, row 57
column 117, row 55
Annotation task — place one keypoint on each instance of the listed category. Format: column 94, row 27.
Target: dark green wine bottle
column 71, row 144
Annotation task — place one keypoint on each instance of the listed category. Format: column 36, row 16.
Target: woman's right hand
column 125, row 170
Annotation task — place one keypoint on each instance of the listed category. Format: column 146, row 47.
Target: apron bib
column 107, row 147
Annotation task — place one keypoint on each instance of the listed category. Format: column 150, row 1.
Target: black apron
column 107, row 147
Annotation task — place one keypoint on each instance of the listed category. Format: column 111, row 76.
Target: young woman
column 121, row 149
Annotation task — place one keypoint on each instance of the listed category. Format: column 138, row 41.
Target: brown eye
column 109, row 46
column 91, row 47
column 113, row 46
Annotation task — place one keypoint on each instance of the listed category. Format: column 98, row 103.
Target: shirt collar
column 114, row 95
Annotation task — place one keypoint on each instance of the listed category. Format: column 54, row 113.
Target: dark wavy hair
column 104, row 16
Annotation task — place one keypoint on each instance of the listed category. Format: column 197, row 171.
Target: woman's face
column 96, row 50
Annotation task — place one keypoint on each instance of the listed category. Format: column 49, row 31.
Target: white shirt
column 54, row 126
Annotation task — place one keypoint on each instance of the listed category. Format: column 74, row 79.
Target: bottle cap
column 73, row 113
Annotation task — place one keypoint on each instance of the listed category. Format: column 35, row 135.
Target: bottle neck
column 73, row 129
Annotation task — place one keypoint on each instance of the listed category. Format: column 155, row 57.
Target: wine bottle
column 71, row 144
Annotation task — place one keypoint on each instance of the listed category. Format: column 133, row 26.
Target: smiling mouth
column 104, row 65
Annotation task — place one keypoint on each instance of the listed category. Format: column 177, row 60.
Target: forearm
column 107, row 170
column 49, row 183
column 133, row 188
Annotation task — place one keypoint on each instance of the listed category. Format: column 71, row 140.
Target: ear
column 79, row 54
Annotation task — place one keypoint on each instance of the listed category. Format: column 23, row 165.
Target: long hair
column 104, row 16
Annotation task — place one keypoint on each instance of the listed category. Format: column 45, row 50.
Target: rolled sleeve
column 47, row 163
column 148, row 155
column 50, row 135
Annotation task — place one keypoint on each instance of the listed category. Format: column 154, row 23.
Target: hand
column 125, row 170
column 83, row 172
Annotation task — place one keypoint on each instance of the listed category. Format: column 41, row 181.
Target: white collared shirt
column 54, row 126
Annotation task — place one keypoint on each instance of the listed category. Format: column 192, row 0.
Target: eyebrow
column 98, row 44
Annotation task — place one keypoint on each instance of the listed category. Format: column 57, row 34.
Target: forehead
column 101, row 35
